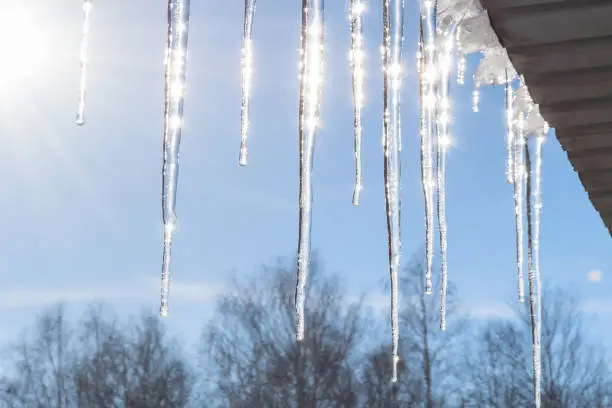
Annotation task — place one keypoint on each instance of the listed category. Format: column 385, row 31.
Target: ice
column 509, row 131
column 175, row 77
column 446, row 48
column 393, row 37
column 428, row 79
column 311, row 85
column 246, row 78
column 357, row 59
column 84, row 55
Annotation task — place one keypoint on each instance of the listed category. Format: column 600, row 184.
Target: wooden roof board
column 563, row 48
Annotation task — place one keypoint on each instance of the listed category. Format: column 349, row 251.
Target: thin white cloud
column 491, row 311
column 597, row 306
column 380, row 304
column 136, row 290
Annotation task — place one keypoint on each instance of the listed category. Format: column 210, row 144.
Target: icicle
column 175, row 76
column 476, row 98
column 428, row 77
column 311, row 82
column 510, row 130
column 461, row 69
column 87, row 6
column 247, row 78
column 519, row 178
column 460, row 60
column 540, row 138
column 357, row 64
column 393, row 35
column 534, row 284
column 443, row 142
column 537, row 194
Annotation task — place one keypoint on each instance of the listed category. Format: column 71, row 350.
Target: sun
column 24, row 49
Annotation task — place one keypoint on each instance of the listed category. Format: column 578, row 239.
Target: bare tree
column 430, row 367
column 498, row 365
column 99, row 364
column 251, row 356
column 42, row 366
column 574, row 372
column 378, row 391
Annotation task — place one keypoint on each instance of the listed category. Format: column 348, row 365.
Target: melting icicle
column 175, row 76
column 247, row 78
column 519, row 178
column 510, row 130
column 535, row 305
column 357, row 64
column 476, row 99
column 537, row 195
column 87, row 6
column 537, row 192
column 311, row 84
column 393, row 35
column 443, row 142
column 427, row 78
column 460, row 60
column 461, row 69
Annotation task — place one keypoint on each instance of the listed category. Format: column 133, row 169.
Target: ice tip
column 242, row 158
column 357, row 195
column 163, row 311
column 80, row 121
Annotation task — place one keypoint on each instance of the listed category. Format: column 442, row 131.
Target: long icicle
column 443, row 142
column 311, row 82
column 175, row 77
column 428, row 76
column 509, row 130
column 392, row 44
column 540, row 138
column 519, row 178
column 534, row 289
column 357, row 58
column 84, row 55
column 246, row 78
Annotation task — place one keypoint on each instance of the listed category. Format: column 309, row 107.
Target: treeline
column 247, row 356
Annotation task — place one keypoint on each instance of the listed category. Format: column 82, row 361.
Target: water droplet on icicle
column 311, row 86
column 246, row 78
column 393, row 34
column 357, row 59
column 84, row 55
column 175, row 78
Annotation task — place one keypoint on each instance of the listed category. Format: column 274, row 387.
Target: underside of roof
column 563, row 48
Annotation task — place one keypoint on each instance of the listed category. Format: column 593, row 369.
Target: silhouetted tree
column 574, row 372
column 99, row 364
column 251, row 356
column 429, row 367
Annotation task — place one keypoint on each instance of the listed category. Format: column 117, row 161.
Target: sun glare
column 24, row 49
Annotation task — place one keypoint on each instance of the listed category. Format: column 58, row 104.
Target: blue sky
column 81, row 206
